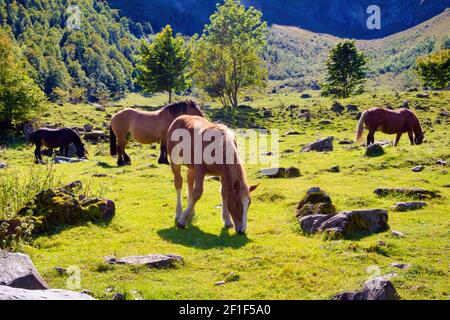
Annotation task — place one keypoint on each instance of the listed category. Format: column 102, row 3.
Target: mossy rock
column 51, row 209
column 374, row 150
column 318, row 202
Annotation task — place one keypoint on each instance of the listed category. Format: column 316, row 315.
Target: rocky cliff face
column 345, row 18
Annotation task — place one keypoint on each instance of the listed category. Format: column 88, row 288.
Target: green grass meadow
column 275, row 260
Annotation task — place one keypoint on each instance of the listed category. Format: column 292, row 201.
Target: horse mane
column 180, row 108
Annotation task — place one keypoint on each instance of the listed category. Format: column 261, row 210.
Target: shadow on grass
column 196, row 238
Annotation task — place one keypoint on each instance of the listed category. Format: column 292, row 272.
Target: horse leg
column 411, row 137
column 197, row 193
column 191, row 180
column 37, row 154
column 178, row 182
column 126, row 157
column 371, row 137
column 163, row 154
column 397, row 139
column 120, row 151
column 226, row 217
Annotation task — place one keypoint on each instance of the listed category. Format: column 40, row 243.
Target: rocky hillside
column 344, row 18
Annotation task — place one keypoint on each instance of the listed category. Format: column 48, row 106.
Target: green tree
column 434, row 69
column 162, row 64
column 346, row 70
column 20, row 96
column 228, row 56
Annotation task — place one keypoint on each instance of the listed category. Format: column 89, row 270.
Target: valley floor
column 275, row 260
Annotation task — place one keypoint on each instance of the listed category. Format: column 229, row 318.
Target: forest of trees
column 91, row 62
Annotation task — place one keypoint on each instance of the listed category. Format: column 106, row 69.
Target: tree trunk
column 170, row 96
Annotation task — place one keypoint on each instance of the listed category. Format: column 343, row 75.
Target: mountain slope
column 345, row 18
column 294, row 52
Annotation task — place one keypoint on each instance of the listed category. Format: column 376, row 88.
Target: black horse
column 56, row 138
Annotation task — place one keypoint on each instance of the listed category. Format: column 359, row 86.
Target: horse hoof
column 163, row 161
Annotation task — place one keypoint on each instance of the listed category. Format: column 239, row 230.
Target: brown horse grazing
column 390, row 122
column 56, row 138
column 225, row 163
column 146, row 128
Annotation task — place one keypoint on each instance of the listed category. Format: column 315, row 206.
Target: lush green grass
column 275, row 260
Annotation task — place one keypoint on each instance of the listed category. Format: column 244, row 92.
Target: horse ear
column 253, row 188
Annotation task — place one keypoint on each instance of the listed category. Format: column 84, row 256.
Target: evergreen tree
column 346, row 70
column 162, row 64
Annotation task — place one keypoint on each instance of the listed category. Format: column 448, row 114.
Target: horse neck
column 76, row 140
column 417, row 127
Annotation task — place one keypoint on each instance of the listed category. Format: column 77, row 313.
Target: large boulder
column 375, row 289
column 18, row 271
column 416, row 193
column 9, row 293
column 337, row 107
column 157, row 261
column 315, row 202
column 374, row 150
column 54, row 208
column 277, row 173
column 321, row 145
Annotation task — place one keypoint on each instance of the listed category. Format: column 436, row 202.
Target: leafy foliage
column 228, row 56
column 163, row 63
column 435, row 69
column 346, row 70
column 20, row 96
column 97, row 55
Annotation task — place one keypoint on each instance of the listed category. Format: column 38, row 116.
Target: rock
column 337, row 107
column 441, row 162
column 118, row 296
column 375, row 289
column 334, row 169
column 62, row 160
column 219, row 283
column 276, row 173
column 18, row 271
column 60, row 271
column 100, row 108
column 293, row 133
column 3, row 165
column 408, row 192
column 53, row 208
column 358, row 221
column 288, row 151
column 398, row 234
column 157, row 261
column 315, row 202
column 268, row 114
column 374, row 150
column 245, row 107
column 321, row 145
column 305, row 96
column 409, row 206
column 311, row 223
column 88, row 128
column 325, row 122
column 9, row 293
column 346, row 142
column 418, row 169
column 423, row 95
column 73, row 187
column 405, row 104
column 352, row 108
column 421, row 108
column 444, row 114
column 96, row 135
column 402, row 266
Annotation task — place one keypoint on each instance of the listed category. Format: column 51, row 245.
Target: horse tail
column 112, row 142
column 360, row 127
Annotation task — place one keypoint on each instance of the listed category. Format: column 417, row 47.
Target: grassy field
column 274, row 260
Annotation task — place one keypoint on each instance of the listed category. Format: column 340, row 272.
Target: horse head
column 238, row 203
column 418, row 140
column 82, row 152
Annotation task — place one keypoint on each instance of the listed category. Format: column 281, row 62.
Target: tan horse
column 146, row 128
column 224, row 163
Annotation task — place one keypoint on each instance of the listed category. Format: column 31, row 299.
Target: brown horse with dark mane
column 146, row 128
column 223, row 161
column 390, row 122
column 56, row 138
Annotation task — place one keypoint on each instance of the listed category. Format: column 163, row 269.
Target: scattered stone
column 268, row 114
column 375, row 289
column 405, row 104
column 88, row 128
column 352, row 108
column 409, row 206
column 321, row 145
column 337, row 107
column 10, row 293
column 18, row 271
column 398, row 234
column 402, row 266
column 421, row 108
column 444, row 114
column 288, row 151
column 293, row 133
column 423, row 95
column 408, row 192
column 325, row 122
column 441, row 162
column 60, row 271
column 157, row 261
column 381, row 243
column 118, row 296
column 311, row 223
column 374, row 150
column 305, row 96
column 335, row 169
column 315, row 202
column 219, row 283
column 276, row 173
column 95, row 135
column 346, row 142
column 418, row 169
column 62, row 160
column 100, row 175
column 3, row 165
column 53, row 208
column 100, row 108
